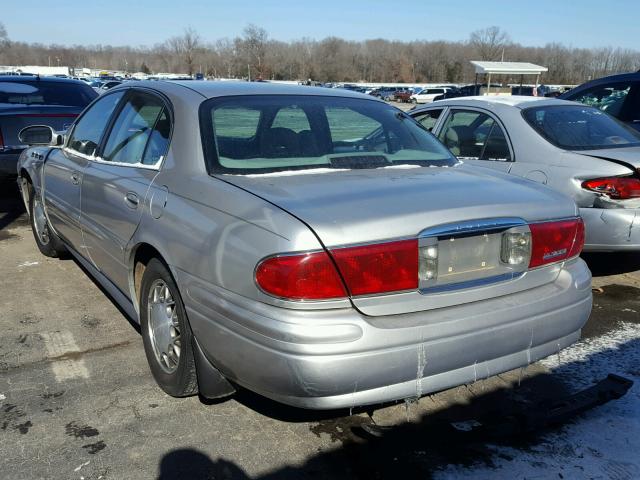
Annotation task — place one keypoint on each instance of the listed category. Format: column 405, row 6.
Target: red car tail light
column 555, row 241
column 307, row 276
column 619, row 188
column 379, row 268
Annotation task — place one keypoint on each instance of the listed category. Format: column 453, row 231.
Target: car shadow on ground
column 11, row 207
column 602, row 264
column 434, row 441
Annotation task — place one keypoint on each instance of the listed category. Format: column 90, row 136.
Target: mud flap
column 211, row 383
column 533, row 417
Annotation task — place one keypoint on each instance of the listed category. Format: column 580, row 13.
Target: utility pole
column 249, row 71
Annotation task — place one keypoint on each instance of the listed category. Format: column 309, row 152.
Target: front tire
column 166, row 334
column 48, row 242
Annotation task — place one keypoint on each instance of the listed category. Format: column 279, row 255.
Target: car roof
column 517, row 101
column 211, row 89
column 37, row 78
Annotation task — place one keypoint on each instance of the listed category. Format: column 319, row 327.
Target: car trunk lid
column 360, row 207
column 627, row 156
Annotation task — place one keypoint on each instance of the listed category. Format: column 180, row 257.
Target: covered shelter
column 507, row 68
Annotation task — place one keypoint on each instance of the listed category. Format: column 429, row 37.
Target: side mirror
column 40, row 135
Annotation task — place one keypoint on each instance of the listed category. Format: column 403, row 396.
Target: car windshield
column 577, row 127
column 41, row 92
column 268, row 133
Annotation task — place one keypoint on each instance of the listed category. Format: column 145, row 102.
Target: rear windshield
column 42, row 92
column 577, row 127
column 268, row 133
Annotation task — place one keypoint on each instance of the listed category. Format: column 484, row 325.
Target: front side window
column 475, row 135
column 88, row 130
column 576, row 127
column 266, row 133
column 138, row 123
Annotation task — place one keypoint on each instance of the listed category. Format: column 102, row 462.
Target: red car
column 402, row 96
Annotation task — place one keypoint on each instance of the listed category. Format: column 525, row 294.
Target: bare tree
column 490, row 42
column 4, row 43
column 254, row 43
column 330, row 59
column 186, row 47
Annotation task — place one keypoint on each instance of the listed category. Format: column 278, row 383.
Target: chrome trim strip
column 473, row 283
column 472, row 226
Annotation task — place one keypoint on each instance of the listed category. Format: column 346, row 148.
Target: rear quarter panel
column 213, row 234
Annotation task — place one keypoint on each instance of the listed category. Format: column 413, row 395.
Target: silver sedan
column 313, row 245
column 573, row 148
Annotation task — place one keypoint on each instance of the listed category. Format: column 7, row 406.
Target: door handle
column 132, row 199
column 75, row 178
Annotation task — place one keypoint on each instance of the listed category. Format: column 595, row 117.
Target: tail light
column 402, row 265
column 379, row 268
column 619, row 188
column 308, row 276
column 555, row 241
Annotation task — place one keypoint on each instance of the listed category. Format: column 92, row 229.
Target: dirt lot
column 77, row 399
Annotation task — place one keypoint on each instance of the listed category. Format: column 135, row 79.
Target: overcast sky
column 584, row 23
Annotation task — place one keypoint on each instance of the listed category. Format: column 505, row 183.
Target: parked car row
column 313, row 245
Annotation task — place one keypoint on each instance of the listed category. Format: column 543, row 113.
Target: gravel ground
column 77, row 400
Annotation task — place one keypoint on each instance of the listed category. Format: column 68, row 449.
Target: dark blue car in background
column 32, row 100
column 618, row 95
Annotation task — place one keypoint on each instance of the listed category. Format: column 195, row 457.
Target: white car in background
column 573, row 148
column 426, row 95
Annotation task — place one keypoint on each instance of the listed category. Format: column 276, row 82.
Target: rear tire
column 48, row 242
column 166, row 334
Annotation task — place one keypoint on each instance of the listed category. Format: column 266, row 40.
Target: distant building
column 37, row 70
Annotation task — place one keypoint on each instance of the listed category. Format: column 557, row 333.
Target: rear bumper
column 9, row 163
column 611, row 229
column 328, row 359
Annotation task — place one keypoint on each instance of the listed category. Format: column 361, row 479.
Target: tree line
column 254, row 54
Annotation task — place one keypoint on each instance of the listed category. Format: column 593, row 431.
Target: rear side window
column 475, row 135
column 88, row 131
column 46, row 93
column 429, row 119
column 138, row 123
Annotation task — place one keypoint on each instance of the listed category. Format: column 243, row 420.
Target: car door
column 477, row 138
column 64, row 169
column 116, row 183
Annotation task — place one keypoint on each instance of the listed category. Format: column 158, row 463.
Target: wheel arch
column 211, row 383
column 139, row 258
